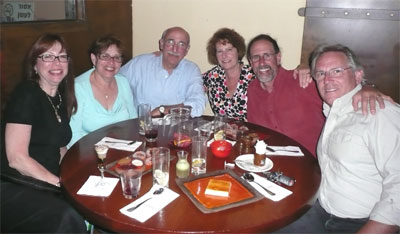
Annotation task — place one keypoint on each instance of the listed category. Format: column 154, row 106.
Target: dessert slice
column 218, row 188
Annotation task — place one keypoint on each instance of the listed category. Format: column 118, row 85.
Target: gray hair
column 351, row 56
column 166, row 31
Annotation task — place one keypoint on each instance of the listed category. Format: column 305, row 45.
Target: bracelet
column 370, row 84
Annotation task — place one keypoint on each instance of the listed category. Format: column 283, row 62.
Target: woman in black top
column 36, row 133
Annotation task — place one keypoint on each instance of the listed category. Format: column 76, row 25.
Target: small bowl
column 221, row 148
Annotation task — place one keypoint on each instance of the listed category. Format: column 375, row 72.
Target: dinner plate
column 245, row 162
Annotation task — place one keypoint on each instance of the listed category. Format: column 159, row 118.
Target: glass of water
column 199, row 154
column 160, row 158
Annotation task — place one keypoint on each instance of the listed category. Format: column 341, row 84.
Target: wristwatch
column 161, row 109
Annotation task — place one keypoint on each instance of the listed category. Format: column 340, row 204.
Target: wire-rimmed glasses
column 172, row 42
column 334, row 72
column 107, row 57
column 265, row 56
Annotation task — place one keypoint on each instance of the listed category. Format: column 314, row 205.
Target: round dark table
column 181, row 215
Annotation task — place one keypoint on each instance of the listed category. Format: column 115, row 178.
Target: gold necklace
column 55, row 108
column 101, row 89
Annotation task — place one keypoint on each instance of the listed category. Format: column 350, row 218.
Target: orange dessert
column 218, row 188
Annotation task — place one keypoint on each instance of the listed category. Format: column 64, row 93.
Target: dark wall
column 102, row 17
column 370, row 28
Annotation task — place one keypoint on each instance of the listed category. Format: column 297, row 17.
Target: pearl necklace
column 55, row 108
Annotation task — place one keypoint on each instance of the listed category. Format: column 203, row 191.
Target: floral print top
column 216, row 88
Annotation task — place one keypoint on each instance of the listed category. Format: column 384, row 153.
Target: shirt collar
column 342, row 102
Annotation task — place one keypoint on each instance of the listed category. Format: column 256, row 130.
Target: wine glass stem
column 101, row 167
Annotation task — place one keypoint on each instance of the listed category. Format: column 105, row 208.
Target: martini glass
column 101, row 151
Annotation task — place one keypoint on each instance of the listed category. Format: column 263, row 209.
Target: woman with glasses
column 104, row 96
column 226, row 83
column 36, row 132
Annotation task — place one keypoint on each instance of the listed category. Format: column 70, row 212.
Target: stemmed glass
column 101, row 151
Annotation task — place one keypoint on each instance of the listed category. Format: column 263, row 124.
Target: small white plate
column 245, row 162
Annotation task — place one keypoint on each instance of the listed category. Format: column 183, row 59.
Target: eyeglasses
column 334, row 73
column 265, row 56
column 171, row 42
column 63, row 58
column 107, row 57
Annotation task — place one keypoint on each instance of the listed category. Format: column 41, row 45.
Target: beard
column 267, row 75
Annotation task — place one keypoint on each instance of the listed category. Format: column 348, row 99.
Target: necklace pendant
column 59, row 118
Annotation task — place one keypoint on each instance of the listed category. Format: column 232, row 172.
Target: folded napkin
column 285, row 150
column 279, row 191
column 152, row 206
column 119, row 144
column 212, row 140
column 95, row 186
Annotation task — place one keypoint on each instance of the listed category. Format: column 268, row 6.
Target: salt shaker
column 247, row 145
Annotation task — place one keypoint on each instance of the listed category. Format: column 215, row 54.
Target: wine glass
column 101, row 151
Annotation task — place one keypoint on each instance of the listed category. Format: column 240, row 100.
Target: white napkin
column 212, row 140
column 279, row 191
column 152, row 206
column 119, row 144
column 283, row 152
column 94, row 186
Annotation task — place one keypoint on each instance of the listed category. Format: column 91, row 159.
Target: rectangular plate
column 241, row 192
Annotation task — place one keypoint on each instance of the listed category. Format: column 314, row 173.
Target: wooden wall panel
column 370, row 28
column 101, row 17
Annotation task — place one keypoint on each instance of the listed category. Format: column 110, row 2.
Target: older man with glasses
column 168, row 80
column 276, row 101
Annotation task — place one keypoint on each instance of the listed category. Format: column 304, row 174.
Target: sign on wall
column 14, row 11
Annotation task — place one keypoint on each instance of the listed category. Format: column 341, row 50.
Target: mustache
column 265, row 67
column 173, row 53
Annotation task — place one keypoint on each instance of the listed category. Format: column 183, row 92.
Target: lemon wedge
column 220, row 135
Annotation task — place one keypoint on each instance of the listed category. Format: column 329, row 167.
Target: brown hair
column 102, row 44
column 43, row 44
column 225, row 35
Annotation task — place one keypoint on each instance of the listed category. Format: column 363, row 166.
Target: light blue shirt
column 151, row 83
column 91, row 115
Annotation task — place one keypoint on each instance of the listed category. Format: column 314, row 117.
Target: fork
column 118, row 142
